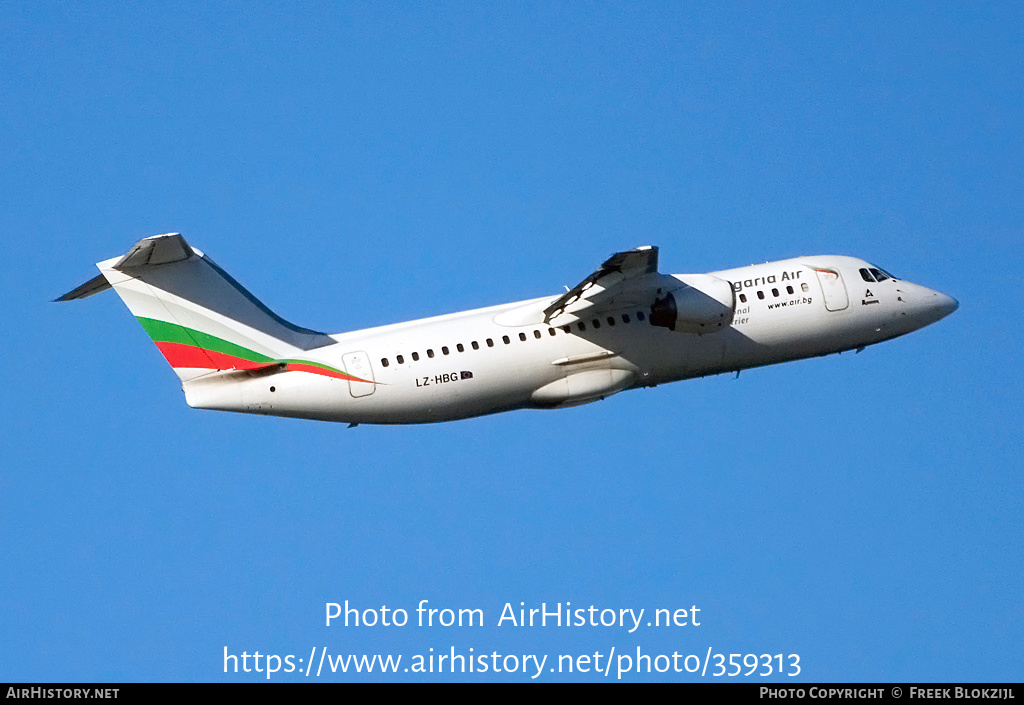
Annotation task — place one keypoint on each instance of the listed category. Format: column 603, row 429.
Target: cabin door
column 833, row 289
column 357, row 364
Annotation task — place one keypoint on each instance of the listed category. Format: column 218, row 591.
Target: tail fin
column 200, row 318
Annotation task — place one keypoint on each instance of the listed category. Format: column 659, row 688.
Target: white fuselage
column 506, row 357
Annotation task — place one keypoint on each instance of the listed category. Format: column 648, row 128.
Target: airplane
column 623, row 327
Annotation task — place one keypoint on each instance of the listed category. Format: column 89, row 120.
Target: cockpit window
column 880, row 274
column 866, row 275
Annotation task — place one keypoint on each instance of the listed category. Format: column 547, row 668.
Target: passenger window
column 611, row 320
column 384, row 362
column 760, row 295
column 625, row 318
column 567, row 329
column 415, row 357
column 536, row 334
column 789, row 290
column 401, row 360
column 581, row 325
column 804, row 287
column 476, row 345
column 505, row 339
column 743, row 298
column 459, row 347
column 552, row 332
column 430, row 353
column 597, row 323
column 444, row 349
column 775, row 293
column 522, row 337
column 639, row 315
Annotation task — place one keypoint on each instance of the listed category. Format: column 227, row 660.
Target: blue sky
column 362, row 164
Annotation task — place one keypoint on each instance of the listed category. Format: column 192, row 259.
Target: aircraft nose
column 945, row 305
column 934, row 305
column 923, row 306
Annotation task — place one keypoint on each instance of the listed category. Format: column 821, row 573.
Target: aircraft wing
column 616, row 269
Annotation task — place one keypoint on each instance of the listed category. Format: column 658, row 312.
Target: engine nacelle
column 703, row 304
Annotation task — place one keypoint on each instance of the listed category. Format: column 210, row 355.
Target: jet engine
column 703, row 304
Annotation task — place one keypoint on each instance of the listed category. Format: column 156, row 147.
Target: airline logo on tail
column 187, row 348
column 163, row 279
